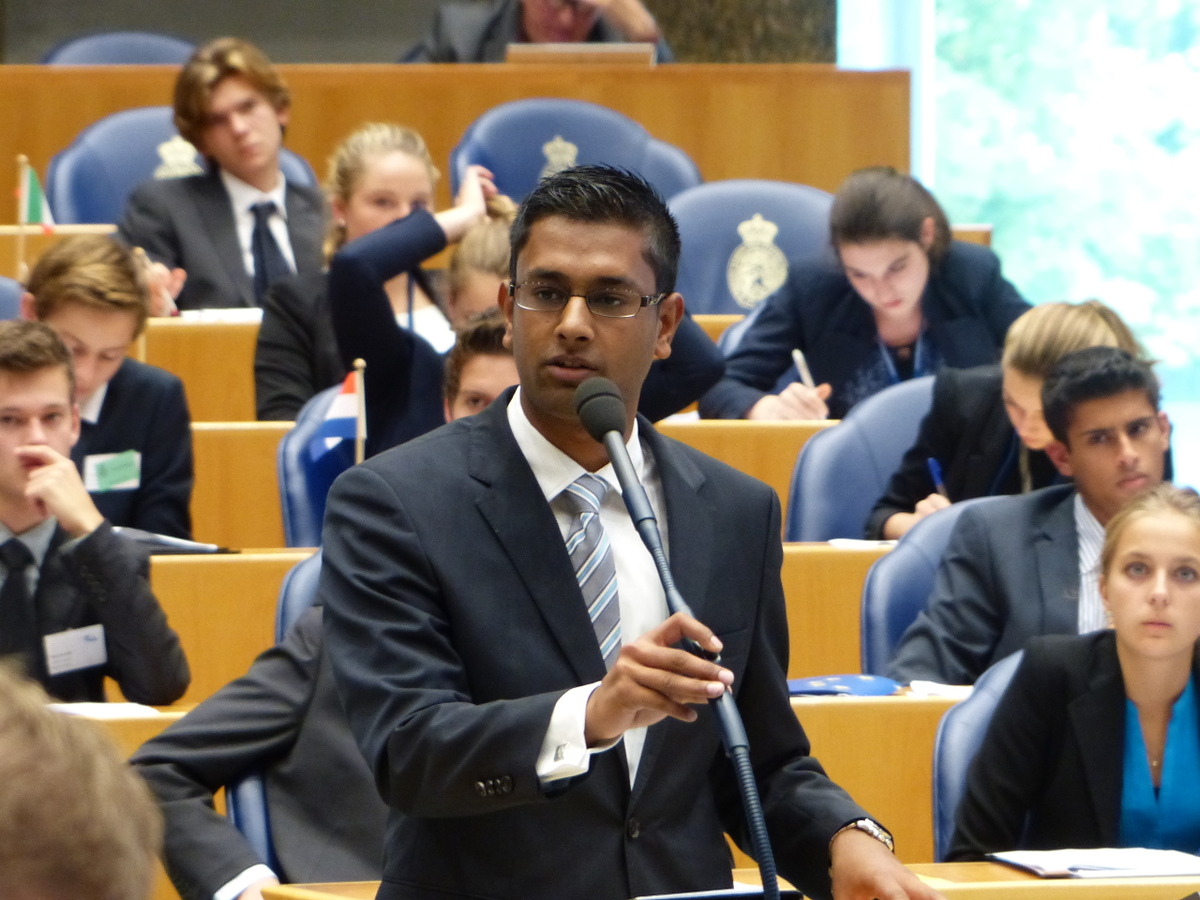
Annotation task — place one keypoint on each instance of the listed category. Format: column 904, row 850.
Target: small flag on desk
column 341, row 419
column 32, row 208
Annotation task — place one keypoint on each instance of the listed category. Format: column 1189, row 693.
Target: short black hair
column 604, row 195
column 1093, row 374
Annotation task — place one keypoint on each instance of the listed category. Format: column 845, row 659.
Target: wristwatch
column 871, row 827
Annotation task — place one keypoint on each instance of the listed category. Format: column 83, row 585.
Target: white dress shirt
column 243, row 196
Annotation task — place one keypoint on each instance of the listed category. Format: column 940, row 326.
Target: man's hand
column 164, row 284
column 630, row 17
column 652, row 679
column 55, row 485
column 864, row 869
column 794, row 402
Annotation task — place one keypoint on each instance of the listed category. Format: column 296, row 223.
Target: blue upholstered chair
column 304, row 482
column 959, row 736
column 89, row 181
column 738, row 236
column 525, row 140
column 843, row 470
column 10, row 297
column 246, row 798
column 120, row 48
column 899, row 583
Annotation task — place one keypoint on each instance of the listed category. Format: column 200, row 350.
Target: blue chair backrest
column 522, row 141
column 898, row 585
column 120, row 48
column 90, row 181
column 304, row 482
column 843, row 470
column 11, row 291
column 738, row 236
column 959, row 736
column 246, row 798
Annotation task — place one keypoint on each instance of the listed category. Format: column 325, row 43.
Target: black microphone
column 602, row 413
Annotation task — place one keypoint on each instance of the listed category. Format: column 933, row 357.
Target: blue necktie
column 269, row 262
column 592, row 558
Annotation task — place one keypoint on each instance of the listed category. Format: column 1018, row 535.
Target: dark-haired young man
column 518, row 757
column 1020, row 566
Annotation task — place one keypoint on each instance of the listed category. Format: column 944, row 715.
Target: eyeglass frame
column 646, row 299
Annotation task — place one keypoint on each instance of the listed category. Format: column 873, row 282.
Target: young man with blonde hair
column 241, row 225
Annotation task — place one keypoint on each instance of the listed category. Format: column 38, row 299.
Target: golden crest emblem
column 560, row 154
column 178, row 159
column 757, row 268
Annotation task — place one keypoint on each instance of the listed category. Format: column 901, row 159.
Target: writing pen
column 935, row 472
column 802, row 367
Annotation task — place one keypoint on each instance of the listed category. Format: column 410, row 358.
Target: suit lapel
column 216, row 213
column 1056, row 551
column 306, row 242
column 1098, row 722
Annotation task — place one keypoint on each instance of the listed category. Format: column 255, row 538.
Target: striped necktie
column 592, row 558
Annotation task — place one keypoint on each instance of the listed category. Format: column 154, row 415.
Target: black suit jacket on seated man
column 448, row 592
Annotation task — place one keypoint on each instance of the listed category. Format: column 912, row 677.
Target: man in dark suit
column 135, row 446
column 1020, row 566
column 232, row 105
column 517, row 759
column 75, row 603
column 474, row 32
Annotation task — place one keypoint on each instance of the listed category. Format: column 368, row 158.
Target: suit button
column 481, row 789
column 506, row 785
column 633, row 828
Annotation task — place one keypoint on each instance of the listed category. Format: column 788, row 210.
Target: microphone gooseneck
column 602, row 412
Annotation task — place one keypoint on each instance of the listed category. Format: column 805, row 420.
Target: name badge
column 112, row 471
column 75, row 648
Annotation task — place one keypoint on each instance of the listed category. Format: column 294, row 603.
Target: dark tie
column 18, row 628
column 591, row 556
column 269, row 262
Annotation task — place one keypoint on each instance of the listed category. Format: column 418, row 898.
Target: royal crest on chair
column 178, row 159
column 560, row 154
column 757, row 268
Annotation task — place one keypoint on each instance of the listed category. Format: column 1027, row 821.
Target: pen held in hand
column 802, row 367
column 935, row 473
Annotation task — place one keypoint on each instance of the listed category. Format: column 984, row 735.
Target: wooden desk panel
column 236, row 499
column 215, row 361
column 766, row 450
column 823, row 588
column 992, row 881
column 223, row 608
column 734, row 120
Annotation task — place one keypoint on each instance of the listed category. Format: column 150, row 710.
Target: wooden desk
column 734, row 120
column 766, row 450
column 236, row 499
column 223, row 608
column 992, row 881
column 823, row 588
column 215, row 361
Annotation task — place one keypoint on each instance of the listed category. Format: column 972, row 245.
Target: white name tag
column 112, row 471
column 75, row 648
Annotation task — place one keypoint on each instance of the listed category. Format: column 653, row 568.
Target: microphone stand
column 729, row 719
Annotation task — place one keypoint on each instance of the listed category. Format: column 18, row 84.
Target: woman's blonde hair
column 1165, row 498
column 485, row 247
column 1039, row 338
column 349, row 162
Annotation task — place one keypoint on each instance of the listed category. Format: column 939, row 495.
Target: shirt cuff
column 232, row 889
column 565, row 753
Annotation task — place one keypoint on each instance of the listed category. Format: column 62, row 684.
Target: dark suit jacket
column 1050, row 771
column 968, row 307
column 455, row 623
column 189, row 223
column 472, row 32
column 102, row 579
column 1010, row 572
column 282, row 717
column 145, row 410
column 968, row 432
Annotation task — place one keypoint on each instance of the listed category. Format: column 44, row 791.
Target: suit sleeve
column 1008, row 774
column 163, row 500
column 247, row 725
column 285, row 355
column 147, row 223
column 694, row 366
column 400, row 677
column 144, row 654
column 955, row 636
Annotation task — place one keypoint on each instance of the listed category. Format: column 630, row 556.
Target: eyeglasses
column 609, row 302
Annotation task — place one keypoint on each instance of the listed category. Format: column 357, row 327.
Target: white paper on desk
column 858, row 543
column 107, row 710
column 921, row 688
column 1103, row 862
column 232, row 314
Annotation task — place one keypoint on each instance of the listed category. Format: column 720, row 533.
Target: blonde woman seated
column 1096, row 742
